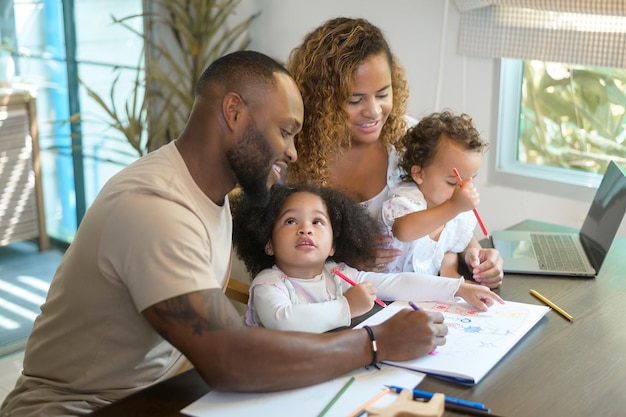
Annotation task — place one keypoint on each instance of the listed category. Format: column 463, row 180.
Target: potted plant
column 181, row 38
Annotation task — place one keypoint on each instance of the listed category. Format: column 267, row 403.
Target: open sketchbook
column 309, row 401
column 476, row 340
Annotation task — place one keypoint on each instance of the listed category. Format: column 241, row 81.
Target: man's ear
column 232, row 108
column 416, row 174
column 268, row 248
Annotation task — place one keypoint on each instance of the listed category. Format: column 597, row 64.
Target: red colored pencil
column 349, row 281
column 480, row 221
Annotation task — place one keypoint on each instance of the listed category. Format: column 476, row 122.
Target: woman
column 355, row 98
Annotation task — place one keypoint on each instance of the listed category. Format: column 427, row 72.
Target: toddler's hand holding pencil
column 465, row 197
column 361, row 298
column 480, row 221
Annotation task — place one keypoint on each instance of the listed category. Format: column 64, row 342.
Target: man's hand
column 410, row 334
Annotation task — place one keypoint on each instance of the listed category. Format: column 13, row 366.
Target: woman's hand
column 385, row 254
column 485, row 264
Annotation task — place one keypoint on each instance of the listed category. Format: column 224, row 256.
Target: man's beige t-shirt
column 150, row 235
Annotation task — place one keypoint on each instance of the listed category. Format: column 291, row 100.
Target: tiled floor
column 10, row 369
column 25, row 274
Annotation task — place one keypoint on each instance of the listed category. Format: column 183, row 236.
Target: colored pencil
column 349, row 281
column 480, row 221
column 336, row 397
column 551, row 304
column 369, row 402
column 448, row 400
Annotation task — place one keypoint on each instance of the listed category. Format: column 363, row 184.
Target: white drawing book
column 476, row 340
column 309, row 401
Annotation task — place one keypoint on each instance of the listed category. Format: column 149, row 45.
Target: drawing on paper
column 472, row 332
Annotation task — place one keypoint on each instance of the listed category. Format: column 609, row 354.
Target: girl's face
column 437, row 179
column 372, row 99
column 302, row 237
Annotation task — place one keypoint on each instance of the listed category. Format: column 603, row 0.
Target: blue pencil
column 448, row 400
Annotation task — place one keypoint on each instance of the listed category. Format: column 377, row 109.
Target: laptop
column 570, row 254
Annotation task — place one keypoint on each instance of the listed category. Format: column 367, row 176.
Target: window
column 85, row 61
column 559, row 121
column 46, row 46
column 572, row 116
column 558, row 124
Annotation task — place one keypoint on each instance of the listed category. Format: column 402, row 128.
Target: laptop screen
column 605, row 215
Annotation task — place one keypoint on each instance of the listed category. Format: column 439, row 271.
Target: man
column 143, row 280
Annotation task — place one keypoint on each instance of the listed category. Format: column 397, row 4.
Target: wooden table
column 559, row 368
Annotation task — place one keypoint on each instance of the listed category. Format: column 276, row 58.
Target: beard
column 251, row 160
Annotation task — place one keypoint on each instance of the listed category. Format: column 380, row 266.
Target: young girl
column 296, row 247
column 429, row 213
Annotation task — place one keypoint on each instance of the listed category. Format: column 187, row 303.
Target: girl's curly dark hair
column 354, row 231
column 421, row 142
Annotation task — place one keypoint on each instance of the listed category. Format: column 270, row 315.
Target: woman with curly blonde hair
column 355, row 98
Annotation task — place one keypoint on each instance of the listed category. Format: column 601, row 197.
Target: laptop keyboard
column 556, row 252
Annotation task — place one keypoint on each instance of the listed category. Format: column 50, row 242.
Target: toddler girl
column 299, row 246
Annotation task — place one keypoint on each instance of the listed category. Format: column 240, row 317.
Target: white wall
column 423, row 34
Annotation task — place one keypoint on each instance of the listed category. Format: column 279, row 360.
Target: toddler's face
column 437, row 180
column 302, row 237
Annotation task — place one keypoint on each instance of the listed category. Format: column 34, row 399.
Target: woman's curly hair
column 323, row 67
column 421, row 142
column 354, row 231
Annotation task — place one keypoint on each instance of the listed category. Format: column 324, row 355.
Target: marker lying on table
column 480, row 221
column 448, row 400
column 349, row 281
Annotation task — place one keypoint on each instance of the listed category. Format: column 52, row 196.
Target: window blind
column 584, row 32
